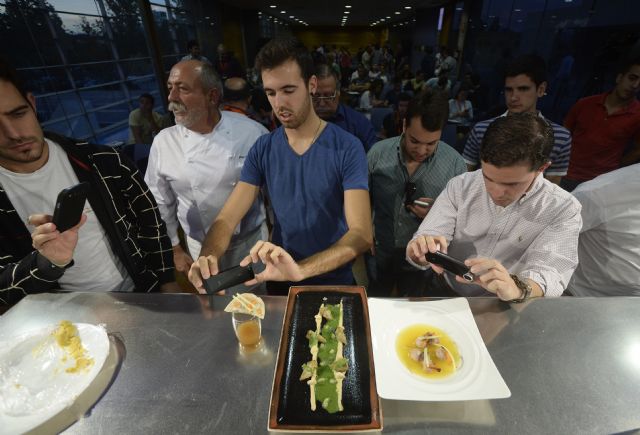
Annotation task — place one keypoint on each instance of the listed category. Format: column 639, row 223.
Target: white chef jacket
column 191, row 175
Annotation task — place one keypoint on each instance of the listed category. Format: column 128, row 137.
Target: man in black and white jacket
column 120, row 243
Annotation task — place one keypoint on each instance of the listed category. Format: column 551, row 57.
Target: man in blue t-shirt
column 316, row 176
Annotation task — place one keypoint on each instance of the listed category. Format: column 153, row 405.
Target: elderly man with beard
column 194, row 165
column 316, row 175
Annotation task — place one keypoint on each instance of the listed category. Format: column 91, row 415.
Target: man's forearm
column 352, row 244
column 217, row 239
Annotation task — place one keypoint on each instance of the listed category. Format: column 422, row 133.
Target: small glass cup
column 248, row 329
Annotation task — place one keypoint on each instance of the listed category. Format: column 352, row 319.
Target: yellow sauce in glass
column 248, row 333
column 406, row 341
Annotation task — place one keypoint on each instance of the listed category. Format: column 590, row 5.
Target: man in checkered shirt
column 120, row 243
column 515, row 230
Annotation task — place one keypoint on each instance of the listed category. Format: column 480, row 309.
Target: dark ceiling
column 331, row 12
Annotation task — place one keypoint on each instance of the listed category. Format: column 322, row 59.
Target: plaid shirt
column 124, row 207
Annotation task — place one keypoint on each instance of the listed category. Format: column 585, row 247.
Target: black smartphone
column 228, row 278
column 451, row 264
column 69, row 206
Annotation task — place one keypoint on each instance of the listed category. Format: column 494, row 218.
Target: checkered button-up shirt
column 535, row 237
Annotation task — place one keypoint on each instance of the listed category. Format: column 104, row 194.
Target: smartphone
column 451, row 264
column 69, row 206
column 228, row 278
column 421, row 203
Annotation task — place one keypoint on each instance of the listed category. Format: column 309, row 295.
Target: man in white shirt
column 194, row 165
column 120, row 243
column 609, row 245
column 516, row 231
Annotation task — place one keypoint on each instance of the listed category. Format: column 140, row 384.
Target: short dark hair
column 324, row 71
column 627, row 64
column 531, row 65
column 10, row 75
column 192, row 43
column 282, row 49
column 517, row 138
column 147, row 96
column 432, row 106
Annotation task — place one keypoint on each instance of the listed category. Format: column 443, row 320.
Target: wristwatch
column 522, row 285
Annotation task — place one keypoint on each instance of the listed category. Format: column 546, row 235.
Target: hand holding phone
column 69, row 206
column 228, row 278
column 420, row 207
column 421, row 203
column 451, row 264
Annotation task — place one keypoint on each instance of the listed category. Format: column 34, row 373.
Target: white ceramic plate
column 34, row 385
column 478, row 378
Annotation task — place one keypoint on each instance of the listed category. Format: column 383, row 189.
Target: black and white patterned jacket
column 123, row 205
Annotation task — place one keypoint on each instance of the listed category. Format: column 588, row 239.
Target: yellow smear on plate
column 66, row 335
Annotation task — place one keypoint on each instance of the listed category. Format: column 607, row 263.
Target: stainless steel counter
column 572, row 364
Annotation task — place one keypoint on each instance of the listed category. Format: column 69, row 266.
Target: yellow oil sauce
column 66, row 335
column 406, row 341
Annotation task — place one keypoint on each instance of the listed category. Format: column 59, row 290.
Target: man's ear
column 618, row 78
column 404, row 125
column 542, row 89
column 31, row 100
column 215, row 96
column 313, row 84
column 543, row 167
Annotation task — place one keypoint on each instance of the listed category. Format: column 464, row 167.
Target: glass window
column 111, row 115
column 82, row 127
column 35, row 46
column 98, row 97
column 128, row 36
column 84, row 39
column 144, row 85
column 77, row 6
column 134, row 69
column 122, row 9
column 61, row 127
column 46, row 80
column 94, row 74
column 57, row 106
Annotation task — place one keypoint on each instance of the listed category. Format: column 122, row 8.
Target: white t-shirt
column 95, row 267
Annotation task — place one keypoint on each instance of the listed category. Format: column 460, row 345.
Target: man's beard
column 29, row 156
column 189, row 117
column 297, row 119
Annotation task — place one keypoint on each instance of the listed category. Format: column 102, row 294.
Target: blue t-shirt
column 307, row 191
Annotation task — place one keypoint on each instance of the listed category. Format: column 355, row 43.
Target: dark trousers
column 388, row 273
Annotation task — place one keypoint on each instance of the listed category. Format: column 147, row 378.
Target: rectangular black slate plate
column 290, row 405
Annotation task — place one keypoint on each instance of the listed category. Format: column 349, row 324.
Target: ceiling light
column 283, row 12
column 407, row 7
column 348, row 6
column 388, row 18
column 346, row 12
column 273, row 6
column 397, row 13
